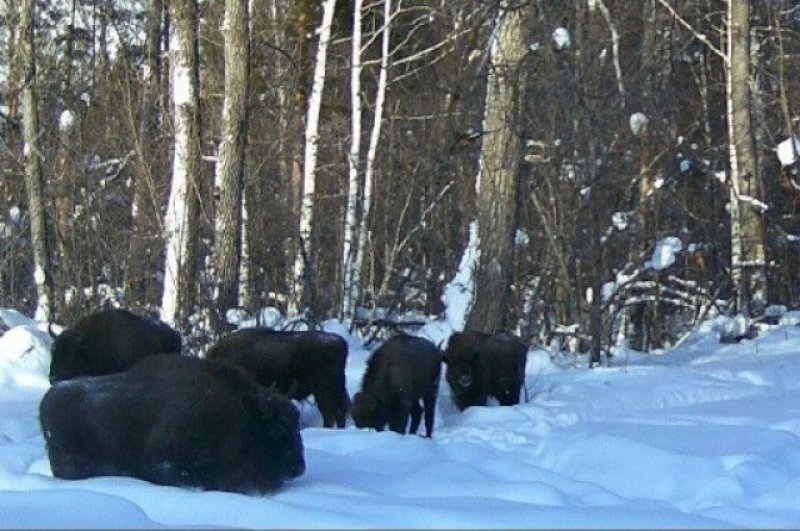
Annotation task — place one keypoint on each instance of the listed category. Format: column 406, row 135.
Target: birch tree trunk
column 354, row 254
column 143, row 256
column 748, row 264
column 34, row 182
column 229, row 178
column 349, row 291
column 182, row 211
column 303, row 297
column 498, row 168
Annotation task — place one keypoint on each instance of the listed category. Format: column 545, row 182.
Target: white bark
column 176, row 222
column 349, row 291
column 369, row 171
column 311, row 149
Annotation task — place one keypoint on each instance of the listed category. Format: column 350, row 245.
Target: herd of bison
column 124, row 401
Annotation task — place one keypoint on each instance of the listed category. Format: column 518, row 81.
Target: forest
column 623, row 169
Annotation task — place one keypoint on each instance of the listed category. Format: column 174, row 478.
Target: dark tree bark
column 230, row 166
column 148, row 188
column 498, row 168
column 34, row 181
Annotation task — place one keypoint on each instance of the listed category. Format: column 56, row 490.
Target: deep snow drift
column 702, row 436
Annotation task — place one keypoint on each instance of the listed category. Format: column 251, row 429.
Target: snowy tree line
column 629, row 163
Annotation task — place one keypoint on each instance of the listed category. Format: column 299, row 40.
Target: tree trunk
column 748, row 264
column 181, row 223
column 297, row 109
column 230, row 166
column 143, row 256
column 303, row 268
column 34, row 181
column 353, row 269
column 349, row 290
column 498, row 167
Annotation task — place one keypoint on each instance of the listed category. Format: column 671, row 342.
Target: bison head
column 366, row 412
column 65, row 355
column 281, row 424
column 460, row 357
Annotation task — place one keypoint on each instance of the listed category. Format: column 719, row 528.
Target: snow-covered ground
column 701, row 436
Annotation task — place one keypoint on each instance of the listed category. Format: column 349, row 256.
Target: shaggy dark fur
column 400, row 373
column 480, row 366
column 173, row 420
column 307, row 362
column 109, row 341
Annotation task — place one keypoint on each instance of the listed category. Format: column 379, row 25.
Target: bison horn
column 50, row 330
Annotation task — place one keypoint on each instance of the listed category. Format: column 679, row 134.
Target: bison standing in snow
column 481, row 365
column 173, row 420
column 300, row 363
column 400, row 373
column 109, row 341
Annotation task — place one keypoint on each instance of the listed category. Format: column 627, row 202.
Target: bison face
column 461, row 368
column 282, row 424
column 365, row 411
column 64, row 355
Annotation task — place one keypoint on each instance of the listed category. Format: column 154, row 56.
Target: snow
column 66, row 120
column 638, row 122
column 702, row 436
column 561, row 38
column 786, row 152
column 664, row 253
column 457, row 294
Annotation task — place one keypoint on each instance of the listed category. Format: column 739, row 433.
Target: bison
column 299, row 362
column 481, row 365
column 400, row 373
column 173, row 420
column 109, row 341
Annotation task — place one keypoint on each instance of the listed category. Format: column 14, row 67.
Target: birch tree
column 748, row 261
column 182, row 211
column 34, row 181
column 355, row 231
column 229, row 178
column 302, row 268
column 498, row 167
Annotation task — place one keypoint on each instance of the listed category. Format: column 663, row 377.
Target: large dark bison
column 400, row 373
column 173, row 420
column 300, row 363
column 109, row 341
column 481, row 365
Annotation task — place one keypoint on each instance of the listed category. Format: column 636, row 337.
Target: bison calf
column 309, row 362
column 173, row 420
column 109, row 341
column 481, row 365
column 400, row 373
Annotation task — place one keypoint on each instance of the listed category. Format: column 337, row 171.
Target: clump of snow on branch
column 664, row 253
column 66, row 120
column 561, row 38
column 638, row 122
column 787, row 153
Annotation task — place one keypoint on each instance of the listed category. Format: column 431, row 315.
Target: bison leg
column 416, row 417
column 509, row 396
column 398, row 418
column 430, row 410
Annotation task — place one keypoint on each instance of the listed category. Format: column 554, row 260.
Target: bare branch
column 697, row 35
